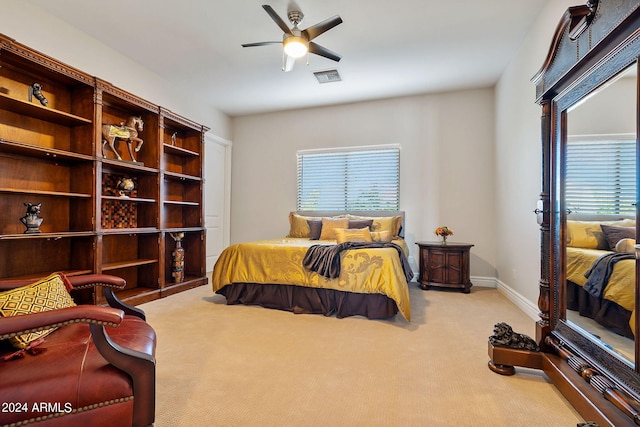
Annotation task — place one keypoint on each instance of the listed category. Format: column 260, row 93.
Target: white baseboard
column 484, row 282
column 529, row 308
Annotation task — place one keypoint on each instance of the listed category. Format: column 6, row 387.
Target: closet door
column 217, row 196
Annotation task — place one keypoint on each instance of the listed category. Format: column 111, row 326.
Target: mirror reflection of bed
column 616, row 344
column 600, row 192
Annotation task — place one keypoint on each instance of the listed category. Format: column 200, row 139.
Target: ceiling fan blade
column 315, row 30
column 276, row 18
column 259, row 44
column 323, row 51
column 288, row 62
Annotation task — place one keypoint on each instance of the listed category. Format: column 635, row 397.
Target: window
column 601, row 175
column 349, row 179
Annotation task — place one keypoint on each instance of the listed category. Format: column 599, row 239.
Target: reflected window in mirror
column 600, row 201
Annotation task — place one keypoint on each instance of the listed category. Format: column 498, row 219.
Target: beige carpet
column 220, row 365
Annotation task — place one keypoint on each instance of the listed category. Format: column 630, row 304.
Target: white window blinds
column 352, row 179
column 601, row 175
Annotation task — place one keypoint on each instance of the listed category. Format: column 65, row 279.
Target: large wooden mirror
column 599, row 198
column 589, row 278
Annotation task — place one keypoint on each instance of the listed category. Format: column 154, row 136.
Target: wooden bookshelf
column 54, row 155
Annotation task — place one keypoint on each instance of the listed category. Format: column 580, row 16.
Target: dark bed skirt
column 606, row 313
column 301, row 300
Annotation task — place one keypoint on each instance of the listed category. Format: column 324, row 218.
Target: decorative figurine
column 125, row 186
column 177, row 257
column 127, row 131
column 504, row 336
column 173, row 138
column 36, row 90
column 32, row 219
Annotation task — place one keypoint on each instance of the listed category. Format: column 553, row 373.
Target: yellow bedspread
column 279, row 261
column 622, row 282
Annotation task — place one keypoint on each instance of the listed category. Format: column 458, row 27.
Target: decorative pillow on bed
column 361, row 223
column 381, row 236
column 299, row 226
column 329, row 226
column 47, row 294
column 353, row 235
column 383, row 223
column 387, row 223
column 615, row 233
column 315, row 228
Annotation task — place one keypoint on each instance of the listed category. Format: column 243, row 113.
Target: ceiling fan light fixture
column 296, row 47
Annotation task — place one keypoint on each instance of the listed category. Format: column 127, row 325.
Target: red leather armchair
column 96, row 369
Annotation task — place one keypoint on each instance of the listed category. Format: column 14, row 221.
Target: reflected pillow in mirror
column 626, row 245
column 614, row 234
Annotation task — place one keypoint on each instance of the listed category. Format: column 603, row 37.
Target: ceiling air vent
column 327, row 76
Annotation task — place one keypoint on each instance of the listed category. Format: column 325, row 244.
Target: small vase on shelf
column 177, row 258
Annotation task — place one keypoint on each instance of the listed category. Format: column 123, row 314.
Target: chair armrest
column 109, row 283
column 114, row 301
column 90, row 280
column 78, row 282
column 27, row 323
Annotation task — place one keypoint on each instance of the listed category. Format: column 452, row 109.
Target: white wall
column 39, row 30
column 446, row 164
column 464, row 163
column 518, row 152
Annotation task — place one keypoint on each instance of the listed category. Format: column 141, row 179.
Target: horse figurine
column 127, row 131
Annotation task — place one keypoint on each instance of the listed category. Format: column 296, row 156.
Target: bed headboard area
column 321, row 214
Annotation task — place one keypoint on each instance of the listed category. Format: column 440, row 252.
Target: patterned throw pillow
column 381, row 236
column 47, row 294
column 387, row 223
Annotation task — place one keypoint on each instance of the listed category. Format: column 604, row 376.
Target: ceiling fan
column 296, row 42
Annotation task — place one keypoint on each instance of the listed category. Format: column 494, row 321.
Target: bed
column 590, row 246
column 372, row 281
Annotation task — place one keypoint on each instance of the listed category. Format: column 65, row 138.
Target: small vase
column 444, row 240
column 177, row 258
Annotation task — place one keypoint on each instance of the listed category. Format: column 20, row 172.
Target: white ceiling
column 388, row 48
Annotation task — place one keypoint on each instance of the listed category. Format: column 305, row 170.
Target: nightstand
column 445, row 265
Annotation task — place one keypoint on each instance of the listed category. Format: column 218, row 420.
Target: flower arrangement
column 443, row 232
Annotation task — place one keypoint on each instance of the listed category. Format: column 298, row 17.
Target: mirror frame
column 588, row 50
column 593, row 43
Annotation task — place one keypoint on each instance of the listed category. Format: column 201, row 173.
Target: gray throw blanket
column 325, row 259
column 599, row 273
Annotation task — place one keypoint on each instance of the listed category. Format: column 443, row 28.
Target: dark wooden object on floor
column 445, row 265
